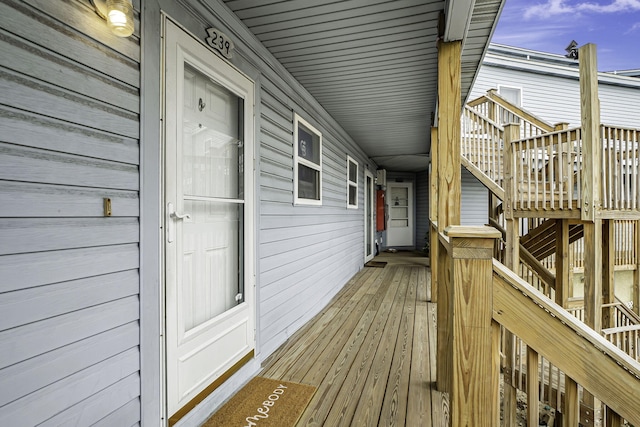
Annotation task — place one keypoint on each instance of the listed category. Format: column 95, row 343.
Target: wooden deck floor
column 370, row 353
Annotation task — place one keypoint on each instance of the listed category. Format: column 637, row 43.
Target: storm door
column 208, row 210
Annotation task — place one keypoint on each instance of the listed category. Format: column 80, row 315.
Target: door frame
column 369, row 203
column 223, row 69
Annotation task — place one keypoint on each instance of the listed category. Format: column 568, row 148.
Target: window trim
column 299, row 201
column 352, row 183
column 518, row 88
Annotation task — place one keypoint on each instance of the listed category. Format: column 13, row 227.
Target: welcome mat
column 379, row 264
column 264, row 402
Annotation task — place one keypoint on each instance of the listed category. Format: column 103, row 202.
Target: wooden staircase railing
column 478, row 295
column 579, row 353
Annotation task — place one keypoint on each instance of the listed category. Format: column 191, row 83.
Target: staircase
column 551, row 186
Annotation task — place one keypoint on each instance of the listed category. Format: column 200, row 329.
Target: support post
column 608, row 273
column 512, row 261
column 563, row 270
column 434, row 244
column 449, row 188
column 636, row 274
column 590, row 131
column 471, row 269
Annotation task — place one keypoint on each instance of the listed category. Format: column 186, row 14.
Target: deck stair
column 541, row 241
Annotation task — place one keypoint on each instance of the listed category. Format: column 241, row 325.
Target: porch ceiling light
column 118, row 13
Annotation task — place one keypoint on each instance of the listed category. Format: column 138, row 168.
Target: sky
column 550, row 25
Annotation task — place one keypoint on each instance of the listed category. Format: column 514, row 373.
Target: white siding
column 556, row 98
column 474, row 201
column 69, row 279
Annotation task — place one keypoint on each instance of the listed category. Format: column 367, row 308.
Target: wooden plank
column 421, row 375
column 585, row 356
column 472, row 333
column 396, row 394
column 370, row 369
column 317, row 360
column 533, row 387
column 349, row 368
column 590, row 131
column 563, row 268
column 593, row 274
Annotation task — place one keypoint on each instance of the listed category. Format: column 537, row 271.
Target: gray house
column 176, row 203
column 547, row 86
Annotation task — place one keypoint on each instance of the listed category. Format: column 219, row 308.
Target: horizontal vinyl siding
column 474, row 201
column 307, row 253
column 557, row 99
column 69, row 279
column 422, row 209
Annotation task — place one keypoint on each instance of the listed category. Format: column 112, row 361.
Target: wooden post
column 449, row 187
column 608, row 273
column 533, row 388
column 434, row 244
column 571, row 415
column 590, row 122
column 593, row 274
column 471, row 269
column 563, row 270
column 636, row 273
column 512, row 261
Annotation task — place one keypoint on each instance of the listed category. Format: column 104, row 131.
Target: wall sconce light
column 118, row 13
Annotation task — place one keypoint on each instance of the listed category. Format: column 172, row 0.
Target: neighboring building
column 547, row 86
column 137, row 171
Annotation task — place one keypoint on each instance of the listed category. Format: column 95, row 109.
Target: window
column 511, row 94
column 352, row 183
column 307, row 157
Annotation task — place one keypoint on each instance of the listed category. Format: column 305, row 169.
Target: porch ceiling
column 372, row 64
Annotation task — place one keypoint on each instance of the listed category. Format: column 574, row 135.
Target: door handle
column 173, row 215
column 176, row 215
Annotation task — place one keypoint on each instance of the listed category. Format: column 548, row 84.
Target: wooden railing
column 482, row 144
column 501, row 111
column 542, row 324
column 620, row 163
column 626, row 338
column 477, row 295
column 546, row 171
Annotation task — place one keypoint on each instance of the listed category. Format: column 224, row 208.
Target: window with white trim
column 307, row 163
column 352, row 183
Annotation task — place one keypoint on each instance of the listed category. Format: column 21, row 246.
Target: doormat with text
column 264, row 402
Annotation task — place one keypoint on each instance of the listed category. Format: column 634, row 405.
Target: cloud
column 562, row 7
column 635, row 27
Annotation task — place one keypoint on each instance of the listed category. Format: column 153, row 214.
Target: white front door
column 208, row 217
column 400, row 223
column 369, row 235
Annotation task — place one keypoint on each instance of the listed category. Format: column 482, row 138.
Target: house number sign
column 220, row 42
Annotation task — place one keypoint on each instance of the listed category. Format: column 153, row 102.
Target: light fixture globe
column 120, row 17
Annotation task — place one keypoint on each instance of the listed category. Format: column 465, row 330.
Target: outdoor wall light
column 118, row 13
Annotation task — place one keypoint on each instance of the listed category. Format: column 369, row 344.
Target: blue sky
column 550, row 25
